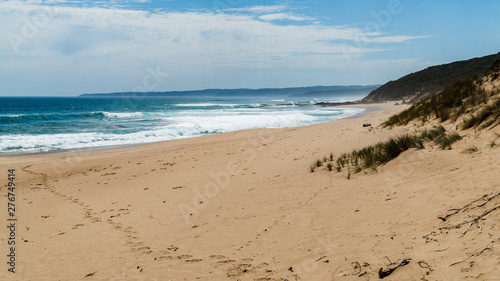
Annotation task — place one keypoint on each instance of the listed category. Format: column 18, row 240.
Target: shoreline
column 368, row 109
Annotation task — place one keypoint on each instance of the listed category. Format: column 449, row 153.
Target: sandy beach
column 245, row 206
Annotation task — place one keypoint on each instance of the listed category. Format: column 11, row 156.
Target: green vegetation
column 487, row 116
column 456, row 100
column 452, row 102
column 383, row 152
column 493, row 143
column 312, row 168
column 465, row 98
column 472, row 149
column 329, row 166
column 425, row 83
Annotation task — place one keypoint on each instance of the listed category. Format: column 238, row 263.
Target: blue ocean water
column 36, row 124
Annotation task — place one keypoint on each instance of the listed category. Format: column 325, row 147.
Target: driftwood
column 466, row 207
column 384, row 273
column 463, row 233
column 477, row 253
column 427, row 238
column 320, row 258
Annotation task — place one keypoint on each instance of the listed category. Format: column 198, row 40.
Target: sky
column 67, row 48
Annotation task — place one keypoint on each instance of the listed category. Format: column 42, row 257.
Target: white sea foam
column 190, row 123
column 122, row 114
column 205, row 105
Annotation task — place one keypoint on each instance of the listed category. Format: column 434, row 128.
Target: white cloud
column 259, row 9
column 117, row 44
column 284, row 16
column 395, row 39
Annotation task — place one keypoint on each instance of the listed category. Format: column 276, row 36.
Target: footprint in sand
column 220, row 257
column 226, row 261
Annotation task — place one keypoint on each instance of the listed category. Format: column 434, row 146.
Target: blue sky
column 66, row 47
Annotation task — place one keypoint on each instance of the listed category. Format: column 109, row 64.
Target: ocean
column 41, row 124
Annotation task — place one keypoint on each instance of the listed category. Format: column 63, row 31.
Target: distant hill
column 427, row 82
column 340, row 90
column 315, row 91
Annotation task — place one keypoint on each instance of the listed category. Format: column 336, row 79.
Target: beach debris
column 356, row 266
column 479, row 252
column 390, row 262
column 290, row 268
column 465, row 231
column 384, row 273
column 361, row 274
column 442, row 250
column 367, row 125
column 173, row 248
column 425, row 265
column 321, row 258
column 455, row 263
column 90, row 274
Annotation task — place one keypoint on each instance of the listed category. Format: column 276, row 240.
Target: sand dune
column 244, row 206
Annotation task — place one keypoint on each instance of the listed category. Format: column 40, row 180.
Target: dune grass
column 451, row 102
column 312, row 168
column 455, row 101
column 329, row 166
column 471, row 149
column 378, row 154
column 493, row 143
column 487, row 116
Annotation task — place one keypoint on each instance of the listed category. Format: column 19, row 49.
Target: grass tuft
column 312, row 168
column 472, row 149
column 494, row 142
column 329, row 166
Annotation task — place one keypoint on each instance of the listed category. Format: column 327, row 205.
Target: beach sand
column 244, row 206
